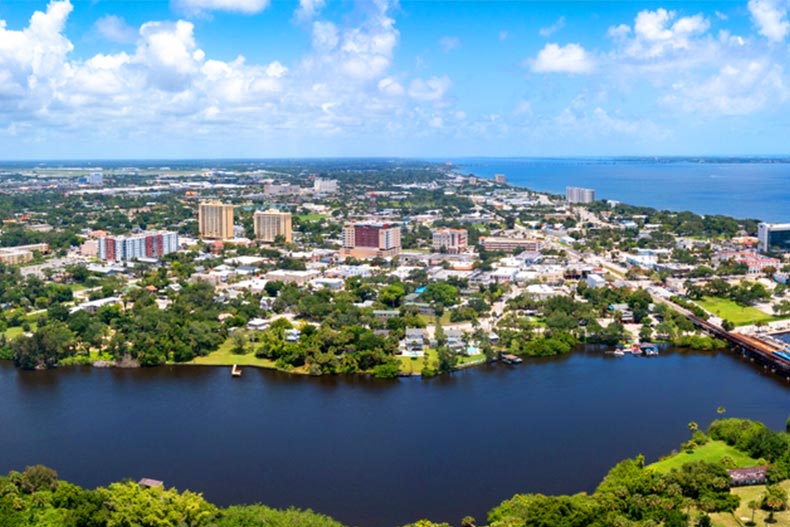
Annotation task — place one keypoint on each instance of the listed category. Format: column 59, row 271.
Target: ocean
column 750, row 188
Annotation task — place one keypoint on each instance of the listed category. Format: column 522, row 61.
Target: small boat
column 618, row 353
column 235, row 371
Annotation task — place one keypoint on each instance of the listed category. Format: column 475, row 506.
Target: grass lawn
column 12, row 333
column 313, row 216
column 729, row 310
column 430, row 320
column 712, row 452
column 743, row 513
column 414, row 365
column 224, row 357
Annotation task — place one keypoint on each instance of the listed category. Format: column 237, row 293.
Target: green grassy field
column 12, row 333
column 712, row 452
column 743, row 513
column 224, row 357
column 313, row 216
column 729, row 310
column 415, row 365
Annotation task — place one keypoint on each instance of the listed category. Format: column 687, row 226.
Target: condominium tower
column 369, row 240
column 270, row 224
column 579, row 195
column 216, row 220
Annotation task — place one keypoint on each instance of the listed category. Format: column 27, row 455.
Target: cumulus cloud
column 449, row 43
column 309, row 8
column 770, row 17
column 167, row 86
column 736, row 89
column 656, row 33
column 247, row 7
column 115, row 29
column 571, row 58
column 431, row 90
column 550, row 30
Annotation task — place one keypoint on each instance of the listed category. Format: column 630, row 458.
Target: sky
column 125, row 79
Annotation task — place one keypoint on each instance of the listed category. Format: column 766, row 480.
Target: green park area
column 224, row 356
column 743, row 514
column 711, row 452
column 737, row 314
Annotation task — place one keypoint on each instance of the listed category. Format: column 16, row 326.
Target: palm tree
column 753, row 505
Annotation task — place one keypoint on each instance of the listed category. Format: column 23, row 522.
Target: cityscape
column 335, row 281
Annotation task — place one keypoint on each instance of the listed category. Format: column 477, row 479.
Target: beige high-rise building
column 270, row 224
column 216, row 220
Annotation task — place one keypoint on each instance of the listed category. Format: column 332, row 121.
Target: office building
column 280, row 189
column 270, row 224
column 152, row 244
column 500, row 178
column 774, row 237
column 216, row 220
column 579, row 195
column 370, row 240
column 452, row 241
column 499, row 243
column 325, row 186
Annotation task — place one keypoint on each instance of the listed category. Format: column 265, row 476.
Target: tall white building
column 325, row 186
column 579, row 195
column 774, row 237
column 153, row 244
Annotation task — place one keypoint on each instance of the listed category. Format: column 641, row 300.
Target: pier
column 235, row 371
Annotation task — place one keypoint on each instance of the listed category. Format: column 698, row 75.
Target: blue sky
column 263, row 78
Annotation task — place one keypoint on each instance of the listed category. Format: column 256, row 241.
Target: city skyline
column 159, row 80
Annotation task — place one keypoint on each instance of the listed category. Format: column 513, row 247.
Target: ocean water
column 744, row 189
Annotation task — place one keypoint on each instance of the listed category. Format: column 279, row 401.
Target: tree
column 775, row 498
column 753, row 505
column 392, row 294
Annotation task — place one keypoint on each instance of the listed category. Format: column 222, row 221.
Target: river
column 374, row 453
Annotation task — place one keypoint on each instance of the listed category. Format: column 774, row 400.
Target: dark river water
column 374, row 453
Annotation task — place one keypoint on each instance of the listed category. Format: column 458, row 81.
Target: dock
column 235, row 371
column 508, row 358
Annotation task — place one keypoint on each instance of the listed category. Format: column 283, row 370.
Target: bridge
column 755, row 349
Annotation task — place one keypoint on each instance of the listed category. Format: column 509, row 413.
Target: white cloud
column 770, row 17
column 115, row 29
column 503, row 35
column 619, row 32
column 390, row 87
column 571, row 58
column 550, row 30
column 656, row 33
column 431, row 90
column 309, row 8
column 247, row 7
column 736, row 89
column 449, row 43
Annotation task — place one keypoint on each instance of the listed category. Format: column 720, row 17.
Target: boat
column 508, row 358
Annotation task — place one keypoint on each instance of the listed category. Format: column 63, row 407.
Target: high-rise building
column 369, row 240
column 216, row 220
column 453, row 241
column 153, row 244
column 774, row 237
column 280, row 189
column 579, row 195
column 500, row 178
column 325, row 186
column 270, row 224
